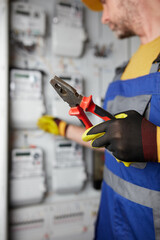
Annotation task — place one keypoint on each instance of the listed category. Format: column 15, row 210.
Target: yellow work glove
column 52, row 125
column 92, row 137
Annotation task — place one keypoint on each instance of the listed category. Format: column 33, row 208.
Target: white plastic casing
column 26, row 99
column 27, row 18
column 68, row 40
column 69, row 218
column 27, row 178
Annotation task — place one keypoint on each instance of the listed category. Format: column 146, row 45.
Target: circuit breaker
column 72, row 218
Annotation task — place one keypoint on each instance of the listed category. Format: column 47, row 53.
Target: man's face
column 119, row 16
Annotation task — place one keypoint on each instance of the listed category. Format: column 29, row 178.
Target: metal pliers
column 79, row 103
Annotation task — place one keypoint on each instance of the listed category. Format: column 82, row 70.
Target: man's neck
column 147, row 39
column 150, row 19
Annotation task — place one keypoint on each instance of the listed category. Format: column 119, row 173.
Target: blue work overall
column 130, row 201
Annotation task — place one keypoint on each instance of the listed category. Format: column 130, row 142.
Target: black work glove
column 130, row 137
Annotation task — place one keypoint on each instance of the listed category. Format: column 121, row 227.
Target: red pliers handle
column 88, row 105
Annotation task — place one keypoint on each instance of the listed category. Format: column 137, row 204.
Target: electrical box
column 26, row 98
column 72, row 218
column 27, row 177
column 68, row 34
column 67, row 154
column 68, row 41
column 68, row 164
column 27, row 19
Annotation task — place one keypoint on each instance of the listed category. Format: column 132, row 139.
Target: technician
column 130, row 200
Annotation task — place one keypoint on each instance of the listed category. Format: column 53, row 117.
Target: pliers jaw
column 78, row 103
column 66, row 92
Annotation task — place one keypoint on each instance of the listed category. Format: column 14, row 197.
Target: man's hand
column 130, row 137
column 52, row 125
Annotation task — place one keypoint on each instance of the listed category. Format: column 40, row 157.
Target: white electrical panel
column 27, row 19
column 27, row 103
column 26, row 84
column 68, row 180
column 69, row 219
column 68, row 164
column 68, row 35
column 74, row 37
column 27, row 176
column 69, row 13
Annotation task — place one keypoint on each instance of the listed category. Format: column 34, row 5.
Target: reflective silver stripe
column 156, row 218
column 122, row 103
column 140, row 165
column 154, row 67
column 146, row 197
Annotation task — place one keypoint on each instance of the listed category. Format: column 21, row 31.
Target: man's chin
column 123, row 35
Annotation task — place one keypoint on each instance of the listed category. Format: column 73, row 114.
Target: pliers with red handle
column 79, row 103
